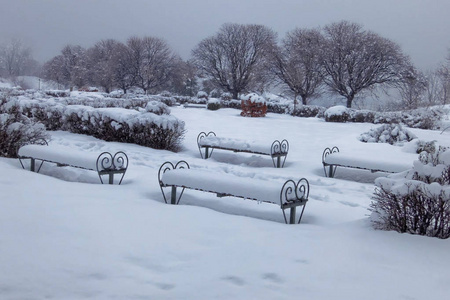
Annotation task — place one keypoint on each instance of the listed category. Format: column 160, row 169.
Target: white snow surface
column 224, row 183
column 65, row 236
column 237, row 144
column 62, row 154
column 335, row 111
column 375, row 158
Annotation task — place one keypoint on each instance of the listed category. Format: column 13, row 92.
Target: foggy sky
column 420, row 27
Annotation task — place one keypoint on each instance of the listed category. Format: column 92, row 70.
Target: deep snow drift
column 65, row 236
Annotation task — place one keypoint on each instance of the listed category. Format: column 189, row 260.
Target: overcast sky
column 420, row 27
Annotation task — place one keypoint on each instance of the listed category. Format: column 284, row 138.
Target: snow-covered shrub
column 416, row 201
column 361, row 116
column 226, row 96
column 107, row 123
column 236, row 104
column 17, row 130
column 202, row 95
column 165, row 94
column 277, row 108
column 387, row 133
column 253, row 105
column 169, row 101
column 157, row 107
column 306, row 111
column 213, row 104
column 337, row 114
column 429, row 147
column 215, row 93
column 424, row 118
column 57, row 93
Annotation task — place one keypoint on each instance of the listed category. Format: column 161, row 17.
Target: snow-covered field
column 65, row 236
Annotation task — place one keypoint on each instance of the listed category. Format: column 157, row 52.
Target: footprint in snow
column 272, row 277
column 234, row 280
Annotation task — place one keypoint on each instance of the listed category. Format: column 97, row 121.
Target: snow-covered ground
column 65, row 236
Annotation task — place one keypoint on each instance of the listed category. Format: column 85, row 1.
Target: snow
column 373, row 158
column 253, row 97
column 335, row 111
column 237, row 144
column 65, row 236
column 61, row 154
column 223, row 183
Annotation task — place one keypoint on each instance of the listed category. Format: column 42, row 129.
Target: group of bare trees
column 342, row 58
column 147, row 63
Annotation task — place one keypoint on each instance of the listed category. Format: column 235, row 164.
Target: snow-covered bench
column 104, row 163
column 332, row 158
column 289, row 195
column 209, row 141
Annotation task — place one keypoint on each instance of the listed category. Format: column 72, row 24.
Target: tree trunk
column 350, row 100
column 235, row 95
column 304, row 99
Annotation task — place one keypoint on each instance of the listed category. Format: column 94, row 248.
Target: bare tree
column 152, row 62
column 434, row 89
column 102, row 63
column 232, row 56
column 74, row 65
column 297, row 63
column 123, row 67
column 444, row 78
column 412, row 88
column 184, row 79
column 16, row 59
column 356, row 60
column 53, row 70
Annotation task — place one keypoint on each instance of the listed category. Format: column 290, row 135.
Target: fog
column 420, row 27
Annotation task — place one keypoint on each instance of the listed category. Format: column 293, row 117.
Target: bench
column 289, row 195
column 332, row 158
column 209, row 141
column 104, row 163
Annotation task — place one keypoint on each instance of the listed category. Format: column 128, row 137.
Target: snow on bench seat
column 289, row 195
column 223, row 183
column 394, row 162
column 60, row 155
column 104, row 163
column 209, row 141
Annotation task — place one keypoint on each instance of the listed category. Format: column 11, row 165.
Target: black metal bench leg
column 173, row 195
column 292, row 215
column 32, row 165
column 279, row 162
column 111, row 178
column 207, row 152
column 332, row 170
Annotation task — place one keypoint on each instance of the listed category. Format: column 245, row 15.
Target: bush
column 226, row 96
column 213, row 104
column 338, row 114
column 417, row 201
column 429, row 147
column 17, row 130
column 253, row 105
column 107, row 123
column 306, row 111
column 387, row 133
column 202, row 95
